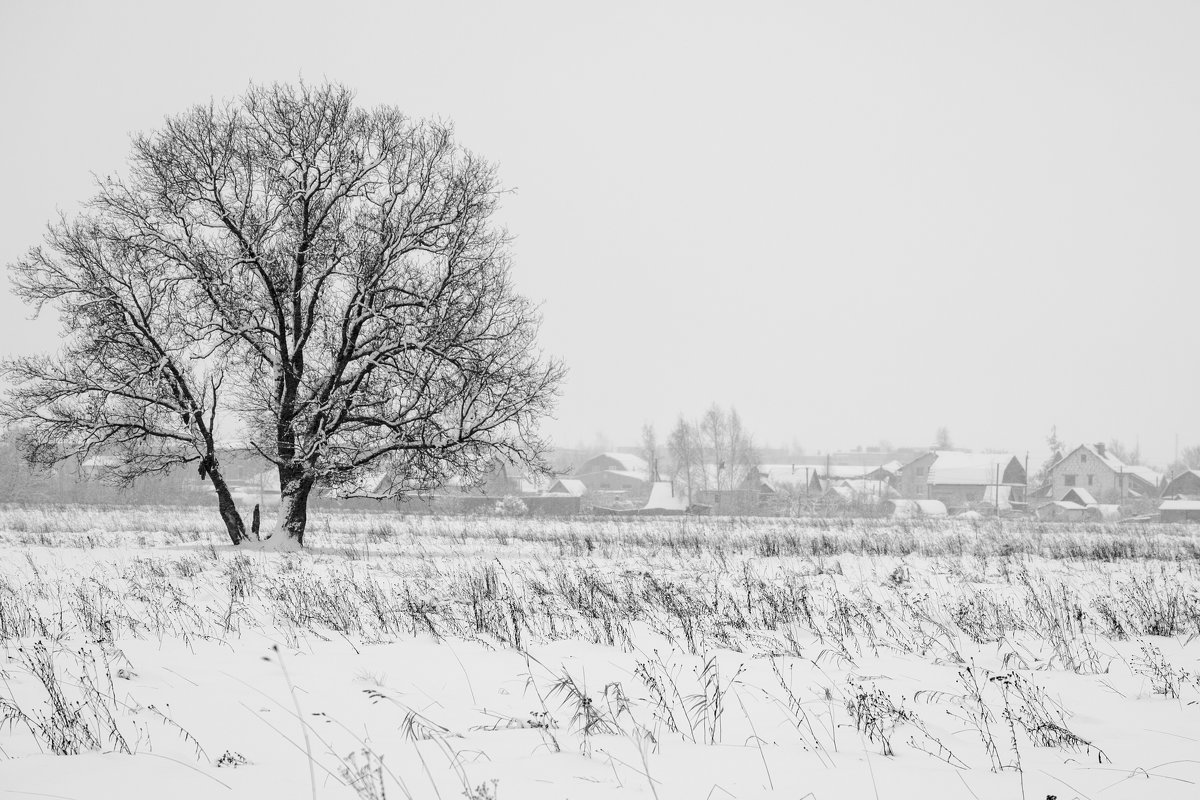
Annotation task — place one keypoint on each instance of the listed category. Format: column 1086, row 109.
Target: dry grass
column 1040, row 599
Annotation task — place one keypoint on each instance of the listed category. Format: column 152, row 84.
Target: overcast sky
column 853, row 221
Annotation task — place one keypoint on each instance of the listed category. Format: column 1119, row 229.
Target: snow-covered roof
column 1083, row 496
column 627, row 462
column 101, row 462
column 663, row 497
column 1180, row 505
column 973, row 469
column 1107, row 512
column 571, row 486
column 624, row 473
column 1106, row 458
column 1066, row 505
column 844, row 492
column 869, row 489
column 1150, row 476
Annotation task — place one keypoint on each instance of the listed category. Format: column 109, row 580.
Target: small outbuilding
column 1079, row 496
column 1179, row 511
column 1103, row 512
column 899, row 508
column 571, row 486
column 1061, row 511
column 665, row 500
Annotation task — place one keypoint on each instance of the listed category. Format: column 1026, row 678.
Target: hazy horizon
column 853, row 222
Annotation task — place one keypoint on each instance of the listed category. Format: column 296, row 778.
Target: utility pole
column 997, row 491
column 1025, row 498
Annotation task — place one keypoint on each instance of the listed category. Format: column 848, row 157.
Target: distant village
column 1086, row 483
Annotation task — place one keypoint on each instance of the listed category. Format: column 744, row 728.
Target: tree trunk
column 294, row 489
column 229, row 513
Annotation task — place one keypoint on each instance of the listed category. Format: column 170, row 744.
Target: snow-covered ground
column 669, row 658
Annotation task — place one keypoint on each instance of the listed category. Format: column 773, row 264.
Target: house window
column 1091, row 479
column 1083, row 458
column 1069, row 480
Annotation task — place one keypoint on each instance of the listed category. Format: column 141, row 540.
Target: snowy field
column 652, row 658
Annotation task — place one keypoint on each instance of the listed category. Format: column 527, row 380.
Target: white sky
column 851, row 220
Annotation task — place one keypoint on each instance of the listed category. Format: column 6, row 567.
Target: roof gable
column 623, row 462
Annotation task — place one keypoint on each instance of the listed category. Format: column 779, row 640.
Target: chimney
column 1100, row 448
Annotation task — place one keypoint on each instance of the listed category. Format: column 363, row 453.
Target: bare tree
column 713, row 432
column 650, row 449
column 1131, row 456
column 1058, row 449
column 131, row 380
column 942, row 440
column 343, row 268
column 740, row 454
column 1191, row 456
column 686, row 463
column 715, row 453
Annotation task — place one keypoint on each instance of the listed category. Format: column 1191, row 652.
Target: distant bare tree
column 713, row 433
column 740, row 453
column 650, row 449
column 1191, row 456
column 717, row 452
column 1131, row 456
column 342, row 269
column 1058, row 449
column 943, row 441
column 684, row 450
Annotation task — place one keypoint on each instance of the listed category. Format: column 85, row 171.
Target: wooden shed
column 1179, row 511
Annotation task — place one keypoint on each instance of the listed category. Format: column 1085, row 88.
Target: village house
column 1061, row 511
column 795, row 480
column 915, row 474
column 614, row 472
column 1185, row 485
column 960, row 479
column 1102, row 474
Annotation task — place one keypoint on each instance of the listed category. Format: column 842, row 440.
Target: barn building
column 1184, row 485
column 960, row 479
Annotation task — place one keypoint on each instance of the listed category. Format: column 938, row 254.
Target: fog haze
column 851, row 222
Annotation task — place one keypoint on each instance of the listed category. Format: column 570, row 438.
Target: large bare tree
column 131, row 381
column 343, row 271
